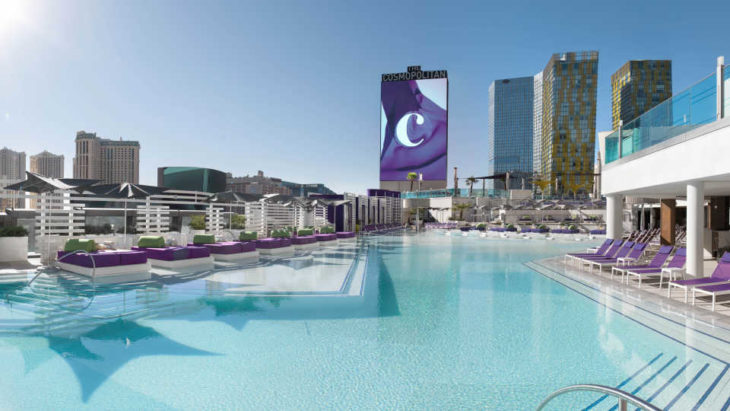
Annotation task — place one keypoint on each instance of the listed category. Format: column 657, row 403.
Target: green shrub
column 13, row 231
column 248, row 236
column 204, row 239
column 197, row 222
column 281, row 233
column 238, row 221
column 305, row 232
column 327, row 230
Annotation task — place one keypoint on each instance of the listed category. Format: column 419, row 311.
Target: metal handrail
column 624, row 398
column 93, row 264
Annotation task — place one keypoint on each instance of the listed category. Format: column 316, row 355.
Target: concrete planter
column 13, row 249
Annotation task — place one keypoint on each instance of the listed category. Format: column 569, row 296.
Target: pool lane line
column 687, row 387
column 669, row 381
column 639, row 307
column 624, row 382
column 711, row 388
column 629, row 317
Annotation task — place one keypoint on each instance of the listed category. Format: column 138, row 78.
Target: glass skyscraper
column 638, row 86
column 537, row 123
column 569, row 83
column 510, row 131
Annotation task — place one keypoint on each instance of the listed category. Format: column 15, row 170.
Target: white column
column 614, row 214
column 652, row 218
column 695, row 223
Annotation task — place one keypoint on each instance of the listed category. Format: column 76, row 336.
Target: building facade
column 537, row 122
column 110, row 161
column 192, row 179
column 638, row 86
column 304, row 190
column 257, row 184
column 12, row 164
column 569, row 85
column 47, row 164
column 510, row 130
column 12, row 170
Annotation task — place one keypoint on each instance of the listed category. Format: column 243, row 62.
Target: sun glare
column 13, row 13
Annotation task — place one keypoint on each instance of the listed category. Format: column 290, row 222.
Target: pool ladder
column 624, row 398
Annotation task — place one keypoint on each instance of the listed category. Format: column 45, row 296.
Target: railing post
column 720, row 97
column 622, row 404
column 620, row 138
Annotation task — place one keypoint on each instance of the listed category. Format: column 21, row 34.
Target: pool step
column 670, row 382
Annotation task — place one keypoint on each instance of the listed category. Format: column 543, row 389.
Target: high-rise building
column 638, row 86
column 12, row 164
column 569, row 83
column 509, row 131
column 110, row 161
column 537, row 123
column 12, row 170
column 47, row 164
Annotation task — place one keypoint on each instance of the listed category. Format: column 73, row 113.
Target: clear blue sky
column 292, row 88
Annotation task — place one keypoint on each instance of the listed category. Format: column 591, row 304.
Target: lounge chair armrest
column 592, row 250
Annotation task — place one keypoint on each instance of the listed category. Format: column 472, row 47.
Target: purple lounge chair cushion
column 698, row 281
column 345, row 234
column 716, row 287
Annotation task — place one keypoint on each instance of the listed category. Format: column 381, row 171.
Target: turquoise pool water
column 408, row 322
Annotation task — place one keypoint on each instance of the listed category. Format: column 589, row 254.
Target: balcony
column 684, row 112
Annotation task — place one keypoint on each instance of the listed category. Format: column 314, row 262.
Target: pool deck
column 648, row 305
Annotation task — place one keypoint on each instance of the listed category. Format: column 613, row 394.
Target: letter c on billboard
column 401, row 129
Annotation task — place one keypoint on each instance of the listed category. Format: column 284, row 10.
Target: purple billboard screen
column 413, row 129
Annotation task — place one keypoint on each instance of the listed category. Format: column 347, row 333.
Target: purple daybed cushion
column 132, row 257
column 325, row 237
column 195, row 251
column 345, row 234
column 309, row 239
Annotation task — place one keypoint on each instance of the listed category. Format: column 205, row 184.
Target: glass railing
column 726, row 87
column 449, row 192
column 683, row 112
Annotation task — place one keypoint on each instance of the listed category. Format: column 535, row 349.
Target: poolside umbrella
column 127, row 191
column 232, row 197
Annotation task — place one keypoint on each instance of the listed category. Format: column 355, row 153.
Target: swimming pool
column 424, row 321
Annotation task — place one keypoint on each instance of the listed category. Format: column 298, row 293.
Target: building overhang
column 663, row 170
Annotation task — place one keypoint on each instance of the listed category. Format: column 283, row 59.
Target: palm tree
column 461, row 207
column 412, row 177
column 543, row 183
column 470, row 181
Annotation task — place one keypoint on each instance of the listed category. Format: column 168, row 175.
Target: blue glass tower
column 510, row 131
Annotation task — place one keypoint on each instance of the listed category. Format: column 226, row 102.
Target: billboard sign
column 414, row 125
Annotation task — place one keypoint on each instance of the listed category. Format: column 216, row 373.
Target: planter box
column 13, row 249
